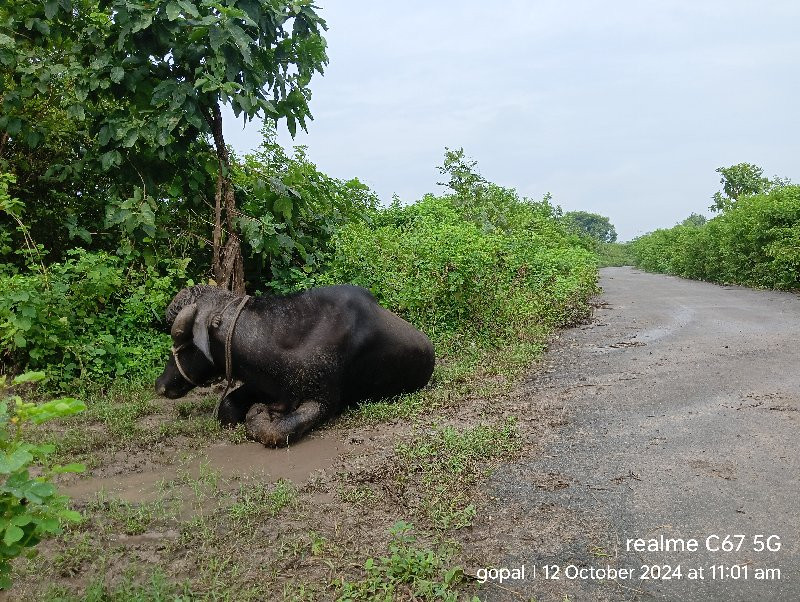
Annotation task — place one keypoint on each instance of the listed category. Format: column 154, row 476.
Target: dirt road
column 682, row 409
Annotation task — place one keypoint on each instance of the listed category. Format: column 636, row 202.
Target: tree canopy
column 743, row 179
column 149, row 78
column 591, row 224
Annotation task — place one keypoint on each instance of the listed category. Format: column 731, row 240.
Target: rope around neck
column 228, row 352
column 181, row 371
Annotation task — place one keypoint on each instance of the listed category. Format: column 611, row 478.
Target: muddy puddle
column 247, row 460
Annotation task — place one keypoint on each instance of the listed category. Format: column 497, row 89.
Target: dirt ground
column 673, row 413
column 683, row 407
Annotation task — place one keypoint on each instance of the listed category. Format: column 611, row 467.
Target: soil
column 683, row 402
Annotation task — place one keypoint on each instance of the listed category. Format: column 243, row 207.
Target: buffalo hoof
column 262, row 428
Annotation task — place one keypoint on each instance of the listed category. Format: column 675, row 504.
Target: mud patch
column 247, row 460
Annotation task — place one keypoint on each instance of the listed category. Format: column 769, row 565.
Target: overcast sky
column 621, row 108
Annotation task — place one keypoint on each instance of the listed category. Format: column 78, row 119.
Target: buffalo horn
column 182, row 326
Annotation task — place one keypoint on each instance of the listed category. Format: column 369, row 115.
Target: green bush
column 30, row 507
column 755, row 242
column 614, row 254
column 290, row 211
column 462, row 279
column 89, row 316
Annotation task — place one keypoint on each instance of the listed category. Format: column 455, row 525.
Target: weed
column 237, row 435
column 408, row 572
column 317, row 543
column 202, row 407
column 78, row 551
column 599, row 552
column 155, row 588
column 258, row 500
column 448, row 463
column 114, row 515
column 360, row 494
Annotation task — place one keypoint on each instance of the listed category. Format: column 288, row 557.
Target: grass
column 409, row 572
column 447, row 463
column 156, row 588
column 474, row 370
column 259, row 500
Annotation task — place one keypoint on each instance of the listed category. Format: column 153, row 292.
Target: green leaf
column 50, row 8
column 21, row 520
column 29, row 377
column 12, row 535
column 173, row 11
column 242, row 41
column 130, row 139
column 117, row 73
column 104, row 136
column 110, row 159
column 14, row 126
column 70, row 515
column 189, row 8
column 74, row 467
column 283, row 205
column 41, row 490
column 10, row 463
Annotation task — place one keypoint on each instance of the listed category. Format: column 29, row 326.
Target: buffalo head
column 188, row 365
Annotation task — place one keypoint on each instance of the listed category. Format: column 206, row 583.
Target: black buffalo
column 298, row 359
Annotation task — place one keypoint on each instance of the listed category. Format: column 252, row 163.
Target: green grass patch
column 442, row 466
column 156, row 588
column 409, row 572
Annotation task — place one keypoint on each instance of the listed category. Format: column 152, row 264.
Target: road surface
column 682, row 430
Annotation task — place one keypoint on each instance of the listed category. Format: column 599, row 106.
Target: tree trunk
column 228, row 264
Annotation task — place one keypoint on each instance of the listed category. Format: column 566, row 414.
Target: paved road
column 682, row 402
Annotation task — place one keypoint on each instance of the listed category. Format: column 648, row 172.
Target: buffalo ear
column 182, row 326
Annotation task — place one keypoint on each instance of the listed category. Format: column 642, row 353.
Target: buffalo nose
column 160, row 389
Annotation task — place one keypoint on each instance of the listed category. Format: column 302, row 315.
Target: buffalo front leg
column 286, row 428
column 234, row 407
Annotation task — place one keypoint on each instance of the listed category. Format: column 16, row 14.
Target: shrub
column 30, row 507
column 87, row 316
column 290, row 210
column 463, row 280
column 755, row 242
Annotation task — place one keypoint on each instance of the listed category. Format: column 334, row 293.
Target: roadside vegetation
column 754, row 241
column 116, row 191
column 614, row 254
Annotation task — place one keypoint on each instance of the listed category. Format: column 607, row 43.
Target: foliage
column 87, row 316
column 485, row 269
column 290, row 211
column 694, row 219
column 171, row 59
column 30, row 507
column 740, row 180
column 409, row 572
column 755, row 242
column 593, row 225
column 614, row 254
column 144, row 83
